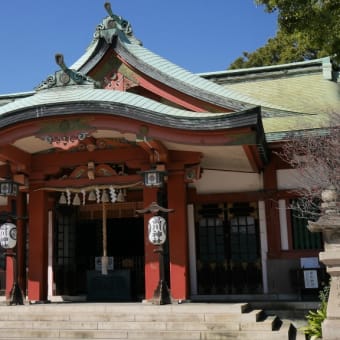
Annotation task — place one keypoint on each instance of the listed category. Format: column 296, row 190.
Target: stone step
column 173, row 335
column 199, row 317
column 140, row 321
column 197, row 308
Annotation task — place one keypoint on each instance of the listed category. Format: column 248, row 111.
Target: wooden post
column 178, row 236
column 104, row 257
column 37, row 262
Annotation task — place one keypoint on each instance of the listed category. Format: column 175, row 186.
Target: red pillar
column 178, row 236
column 151, row 259
column 21, row 240
column 272, row 212
column 37, row 263
column 10, row 267
column 10, row 257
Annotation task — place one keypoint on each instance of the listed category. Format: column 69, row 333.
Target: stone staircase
column 141, row 321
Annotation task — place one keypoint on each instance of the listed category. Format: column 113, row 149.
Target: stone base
column 331, row 329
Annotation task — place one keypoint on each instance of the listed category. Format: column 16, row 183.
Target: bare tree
column 315, row 154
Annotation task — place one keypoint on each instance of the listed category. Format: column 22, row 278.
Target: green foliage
column 307, row 29
column 317, row 20
column 279, row 50
column 315, row 318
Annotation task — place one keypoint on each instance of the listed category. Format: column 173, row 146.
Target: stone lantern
column 329, row 225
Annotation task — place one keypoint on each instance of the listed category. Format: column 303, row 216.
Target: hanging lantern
column 157, row 230
column 8, row 236
column 153, row 177
column 9, row 188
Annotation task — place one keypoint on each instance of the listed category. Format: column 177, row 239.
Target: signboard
column 8, row 236
column 157, row 230
column 311, row 279
column 98, row 263
column 309, row 262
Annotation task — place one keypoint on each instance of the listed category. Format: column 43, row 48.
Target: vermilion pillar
column 21, row 240
column 10, row 272
column 38, row 230
column 178, row 236
column 151, row 258
column 10, row 255
column 272, row 212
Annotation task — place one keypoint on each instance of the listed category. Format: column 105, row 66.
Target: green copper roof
column 161, row 69
column 85, row 99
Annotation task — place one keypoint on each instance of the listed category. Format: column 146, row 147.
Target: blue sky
column 198, row 35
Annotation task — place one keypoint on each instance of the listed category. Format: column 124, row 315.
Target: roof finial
column 66, row 76
column 77, row 77
column 59, row 58
column 123, row 24
column 107, row 6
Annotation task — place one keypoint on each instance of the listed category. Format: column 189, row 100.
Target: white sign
column 311, row 278
column 8, row 235
column 157, row 230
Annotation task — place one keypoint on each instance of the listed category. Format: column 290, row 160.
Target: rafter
column 253, row 158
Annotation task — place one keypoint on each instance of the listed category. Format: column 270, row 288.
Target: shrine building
column 80, row 144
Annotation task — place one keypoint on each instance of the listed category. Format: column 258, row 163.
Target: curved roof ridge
column 80, row 93
column 82, row 100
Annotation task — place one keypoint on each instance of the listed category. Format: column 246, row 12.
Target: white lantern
column 8, row 235
column 157, row 230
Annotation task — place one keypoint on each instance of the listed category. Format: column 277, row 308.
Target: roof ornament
column 113, row 26
column 123, row 25
column 66, row 76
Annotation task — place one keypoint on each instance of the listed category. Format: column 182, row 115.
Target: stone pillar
column 329, row 225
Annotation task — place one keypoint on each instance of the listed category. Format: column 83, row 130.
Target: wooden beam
column 186, row 157
column 72, row 159
column 20, row 160
column 63, row 184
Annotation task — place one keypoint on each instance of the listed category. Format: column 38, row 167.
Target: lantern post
column 8, row 236
column 157, row 230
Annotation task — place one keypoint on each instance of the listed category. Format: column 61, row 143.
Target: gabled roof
column 109, row 36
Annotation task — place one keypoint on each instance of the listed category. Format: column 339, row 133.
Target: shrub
column 315, row 318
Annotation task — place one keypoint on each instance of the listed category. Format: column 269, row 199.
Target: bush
column 315, row 318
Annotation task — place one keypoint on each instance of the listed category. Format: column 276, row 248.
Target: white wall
column 215, row 181
column 288, row 179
